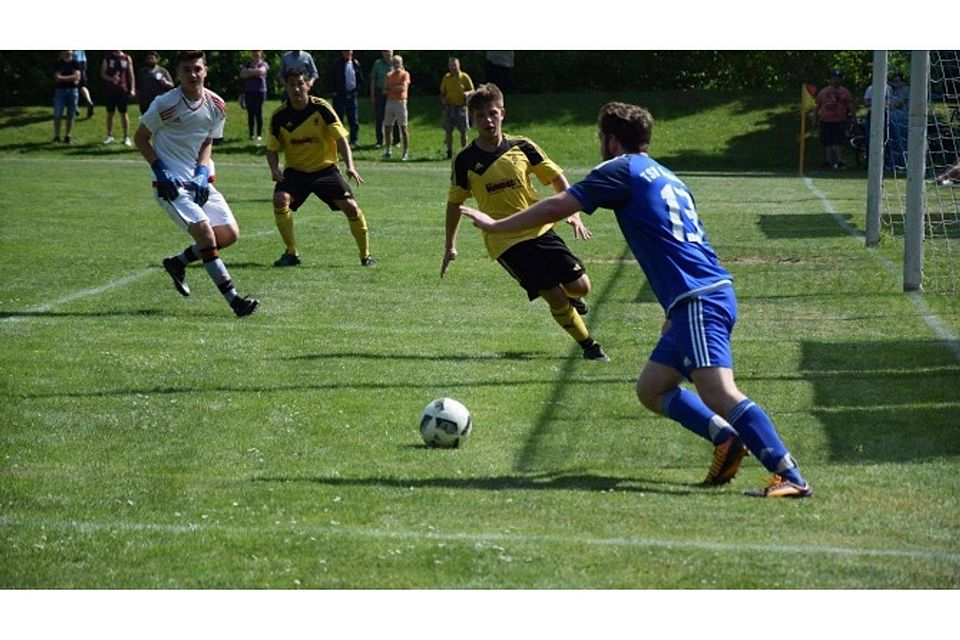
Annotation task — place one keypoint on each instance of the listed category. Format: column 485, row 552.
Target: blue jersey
column 659, row 221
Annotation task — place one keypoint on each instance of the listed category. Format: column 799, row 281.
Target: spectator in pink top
column 834, row 108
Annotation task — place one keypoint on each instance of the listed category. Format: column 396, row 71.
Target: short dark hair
column 293, row 71
column 486, row 94
column 190, row 56
column 632, row 125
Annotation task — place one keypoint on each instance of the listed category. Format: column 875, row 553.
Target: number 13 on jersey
column 679, row 202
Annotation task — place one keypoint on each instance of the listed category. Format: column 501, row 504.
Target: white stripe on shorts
column 698, row 337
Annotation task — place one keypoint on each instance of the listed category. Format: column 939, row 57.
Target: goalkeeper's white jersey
column 179, row 127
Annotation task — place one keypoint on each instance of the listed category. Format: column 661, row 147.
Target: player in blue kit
column 658, row 219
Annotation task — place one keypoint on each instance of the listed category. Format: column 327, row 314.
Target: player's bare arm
column 452, row 226
column 273, row 161
column 343, row 147
column 580, row 230
column 552, row 209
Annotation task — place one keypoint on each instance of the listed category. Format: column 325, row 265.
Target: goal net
column 932, row 205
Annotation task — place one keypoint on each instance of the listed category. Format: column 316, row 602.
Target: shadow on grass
column 885, row 401
column 535, row 450
column 192, row 389
column 514, row 482
column 447, row 357
column 795, row 227
column 134, row 313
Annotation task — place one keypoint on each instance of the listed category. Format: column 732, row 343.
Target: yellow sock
column 358, row 228
column 284, row 219
column 572, row 323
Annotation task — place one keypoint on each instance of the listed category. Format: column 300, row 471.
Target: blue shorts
column 65, row 101
column 699, row 334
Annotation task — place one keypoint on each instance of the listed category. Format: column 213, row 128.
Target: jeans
column 254, row 103
column 65, row 99
column 348, row 108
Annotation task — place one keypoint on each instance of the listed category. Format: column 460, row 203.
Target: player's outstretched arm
column 552, row 209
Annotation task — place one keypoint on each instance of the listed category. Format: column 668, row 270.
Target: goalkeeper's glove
column 168, row 185
column 200, row 184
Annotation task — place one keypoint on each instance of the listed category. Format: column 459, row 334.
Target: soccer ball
column 445, row 423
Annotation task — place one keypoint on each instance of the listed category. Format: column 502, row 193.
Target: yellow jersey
column 453, row 89
column 500, row 183
column 307, row 137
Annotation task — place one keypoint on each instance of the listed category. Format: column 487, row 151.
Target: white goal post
column 913, row 190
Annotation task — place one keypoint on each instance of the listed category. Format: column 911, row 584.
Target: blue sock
column 688, row 409
column 761, row 438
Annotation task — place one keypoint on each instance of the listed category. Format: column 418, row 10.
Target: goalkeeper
column 175, row 137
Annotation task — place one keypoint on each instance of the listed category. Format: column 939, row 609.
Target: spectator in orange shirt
column 398, row 82
column 834, row 108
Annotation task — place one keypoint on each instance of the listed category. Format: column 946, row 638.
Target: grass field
column 156, row 442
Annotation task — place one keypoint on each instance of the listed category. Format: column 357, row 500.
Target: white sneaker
column 405, row 158
column 126, row 142
column 108, row 140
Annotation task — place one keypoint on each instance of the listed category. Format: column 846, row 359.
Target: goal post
column 878, row 103
column 913, row 179
column 913, row 217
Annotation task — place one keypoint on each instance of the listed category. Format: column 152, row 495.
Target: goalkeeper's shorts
column 184, row 211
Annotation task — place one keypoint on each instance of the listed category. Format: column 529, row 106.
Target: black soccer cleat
column 369, row 261
column 287, row 260
column 178, row 272
column 595, row 352
column 244, row 306
column 579, row 305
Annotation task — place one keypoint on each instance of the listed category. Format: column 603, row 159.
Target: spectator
column 153, row 81
column 834, row 107
column 346, row 78
column 66, row 78
column 81, row 57
column 117, row 73
column 301, row 60
column 455, row 88
column 398, row 83
column 254, row 76
column 378, row 92
column 500, row 69
column 898, row 111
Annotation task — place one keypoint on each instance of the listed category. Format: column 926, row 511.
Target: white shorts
column 395, row 113
column 184, row 211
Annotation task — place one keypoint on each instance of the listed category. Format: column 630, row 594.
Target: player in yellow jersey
column 310, row 135
column 495, row 170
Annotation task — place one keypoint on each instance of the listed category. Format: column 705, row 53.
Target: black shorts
column 327, row 184
column 832, row 133
column 541, row 263
column 116, row 100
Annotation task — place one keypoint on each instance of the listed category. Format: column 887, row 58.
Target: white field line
column 338, row 531
column 933, row 321
column 95, row 291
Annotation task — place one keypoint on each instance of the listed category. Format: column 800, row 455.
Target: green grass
column 151, row 441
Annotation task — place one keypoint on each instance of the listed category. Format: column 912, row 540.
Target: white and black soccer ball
column 445, row 423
